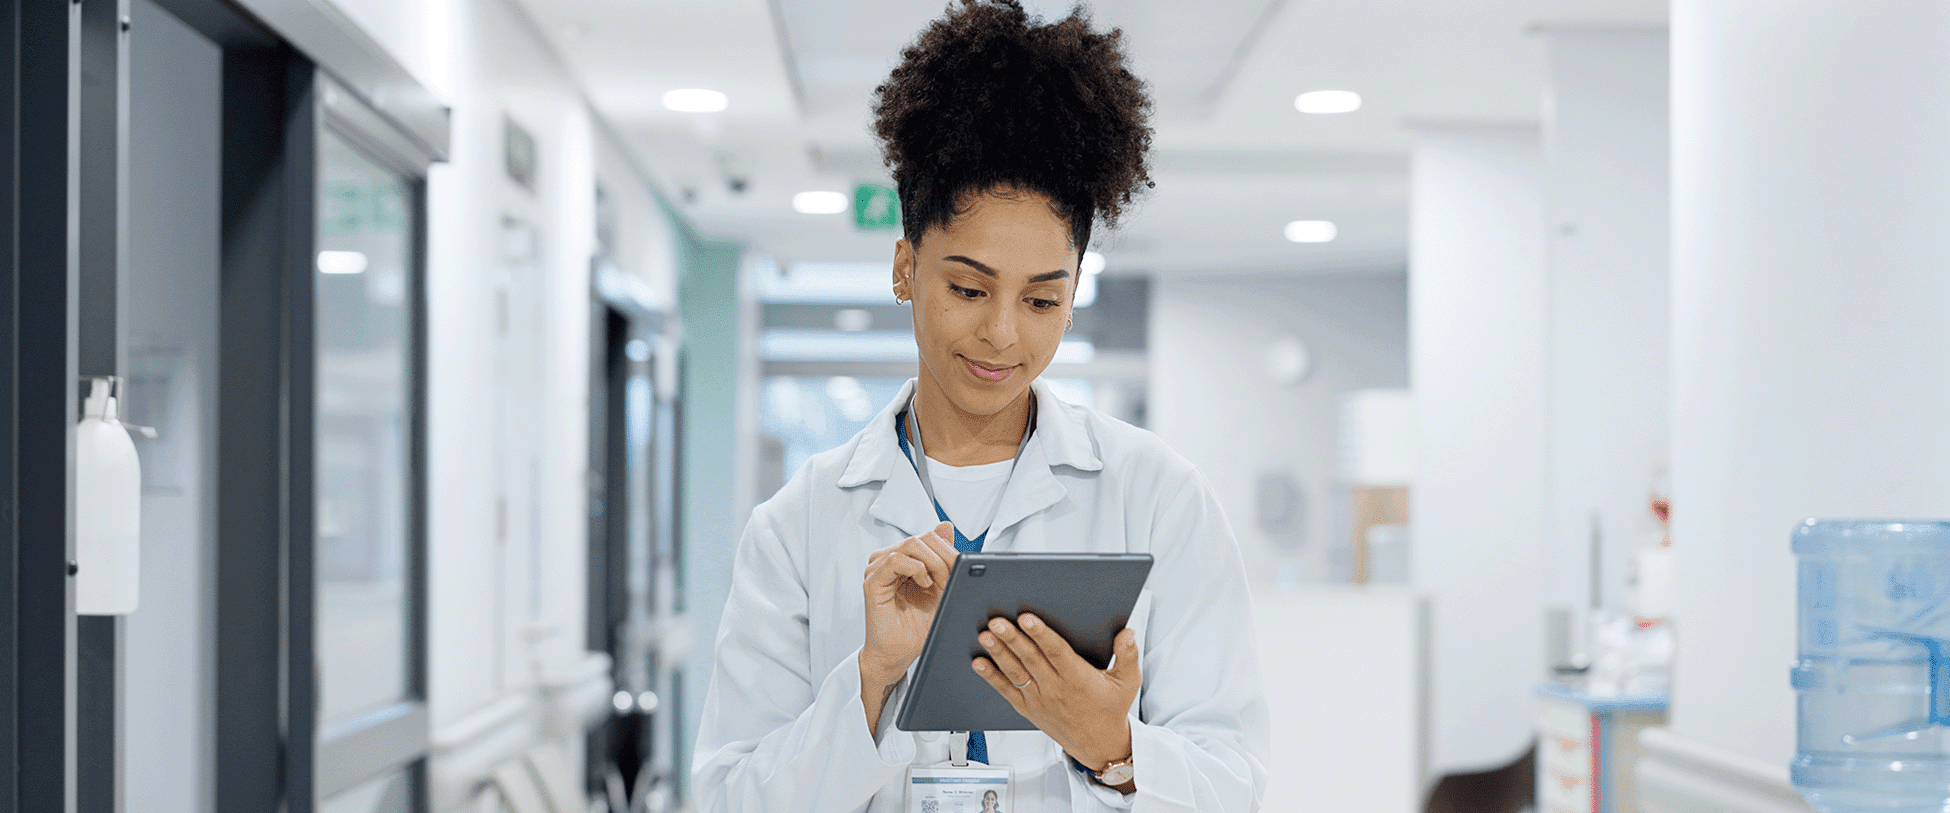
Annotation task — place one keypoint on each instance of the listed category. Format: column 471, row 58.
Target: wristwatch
column 1118, row 772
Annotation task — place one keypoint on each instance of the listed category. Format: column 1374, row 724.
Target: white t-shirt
column 970, row 494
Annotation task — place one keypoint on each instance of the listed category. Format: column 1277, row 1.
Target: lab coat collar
column 1061, row 439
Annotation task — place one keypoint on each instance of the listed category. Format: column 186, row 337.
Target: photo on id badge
column 950, row 789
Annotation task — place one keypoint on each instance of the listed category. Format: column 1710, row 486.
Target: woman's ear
column 903, row 271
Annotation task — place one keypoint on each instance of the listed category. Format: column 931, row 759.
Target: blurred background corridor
column 457, row 339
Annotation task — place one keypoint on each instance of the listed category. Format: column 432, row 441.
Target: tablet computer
column 1085, row 597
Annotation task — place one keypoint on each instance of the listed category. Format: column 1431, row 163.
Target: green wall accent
column 707, row 300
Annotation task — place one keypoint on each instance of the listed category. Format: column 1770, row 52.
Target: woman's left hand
column 1080, row 706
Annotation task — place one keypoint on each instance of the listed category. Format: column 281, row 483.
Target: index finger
column 942, row 540
column 922, row 550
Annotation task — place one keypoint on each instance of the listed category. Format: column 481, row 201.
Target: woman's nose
column 999, row 327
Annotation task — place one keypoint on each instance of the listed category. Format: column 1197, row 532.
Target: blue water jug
column 1873, row 678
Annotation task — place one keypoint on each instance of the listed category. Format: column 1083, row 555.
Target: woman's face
column 988, row 800
column 992, row 294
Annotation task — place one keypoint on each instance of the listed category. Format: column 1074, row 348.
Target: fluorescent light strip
column 1327, row 101
column 695, row 100
column 1311, row 231
column 819, row 203
column 342, row 262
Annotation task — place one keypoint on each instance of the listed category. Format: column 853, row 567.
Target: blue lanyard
column 962, row 543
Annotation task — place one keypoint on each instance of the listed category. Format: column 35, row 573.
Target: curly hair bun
column 989, row 98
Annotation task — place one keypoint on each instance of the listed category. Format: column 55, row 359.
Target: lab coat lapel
column 1061, row 439
column 1031, row 488
column 901, row 501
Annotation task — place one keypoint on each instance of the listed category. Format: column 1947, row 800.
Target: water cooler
column 1873, row 676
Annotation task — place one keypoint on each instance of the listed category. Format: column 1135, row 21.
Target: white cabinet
column 1588, row 749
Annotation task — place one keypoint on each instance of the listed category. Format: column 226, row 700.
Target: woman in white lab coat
column 1007, row 138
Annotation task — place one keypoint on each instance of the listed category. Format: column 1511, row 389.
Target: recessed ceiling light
column 695, row 100
column 1327, row 101
column 1311, row 231
column 342, row 262
column 1093, row 263
column 819, row 203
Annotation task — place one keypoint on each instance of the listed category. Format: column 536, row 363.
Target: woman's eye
column 1044, row 304
column 966, row 293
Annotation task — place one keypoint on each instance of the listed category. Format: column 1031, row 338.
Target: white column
column 1476, row 359
column 1606, row 201
column 1811, row 348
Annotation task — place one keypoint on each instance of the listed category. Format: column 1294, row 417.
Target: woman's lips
column 987, row 374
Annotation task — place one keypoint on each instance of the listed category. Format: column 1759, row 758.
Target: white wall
column 1476, row 322
column 645, row 244
column 1606, row 201
column 1343, row 668
column 1811, row 185
column 484, row 597
column 1211, row 335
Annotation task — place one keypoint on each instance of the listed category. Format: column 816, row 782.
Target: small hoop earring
column 1069, row 323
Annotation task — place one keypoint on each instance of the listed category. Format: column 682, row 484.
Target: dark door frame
column 265, row 688
column 38, row 367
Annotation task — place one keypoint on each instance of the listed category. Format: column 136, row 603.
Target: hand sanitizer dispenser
column 108, row 506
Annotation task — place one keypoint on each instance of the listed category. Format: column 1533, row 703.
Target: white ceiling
column 1234, row 162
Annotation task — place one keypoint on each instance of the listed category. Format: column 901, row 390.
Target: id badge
column 959, row 786
column 947, row 788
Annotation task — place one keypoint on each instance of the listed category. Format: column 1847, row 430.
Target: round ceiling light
column 1311, row 231
column 819, row 203
column 1093, row 263
column 1327, row 101
column 695, row 100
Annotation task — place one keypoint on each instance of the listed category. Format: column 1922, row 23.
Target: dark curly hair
column 988, row 98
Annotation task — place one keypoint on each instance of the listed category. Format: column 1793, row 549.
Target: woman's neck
column 958, row 438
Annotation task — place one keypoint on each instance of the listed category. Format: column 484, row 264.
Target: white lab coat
column 784, row 730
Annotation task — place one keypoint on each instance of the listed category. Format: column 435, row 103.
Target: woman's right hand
column 903, row 585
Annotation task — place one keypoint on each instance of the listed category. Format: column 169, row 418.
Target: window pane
column 364, row 332
column 391, row 793
column 801, row 416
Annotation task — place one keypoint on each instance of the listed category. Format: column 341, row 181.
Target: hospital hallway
column 387, row 389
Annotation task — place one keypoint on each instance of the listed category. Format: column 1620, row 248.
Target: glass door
column 369, row 540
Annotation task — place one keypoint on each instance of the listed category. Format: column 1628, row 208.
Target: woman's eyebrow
column 1043, row 277
column 971, row 263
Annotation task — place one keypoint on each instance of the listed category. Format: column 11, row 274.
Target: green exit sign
column 875, row 207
